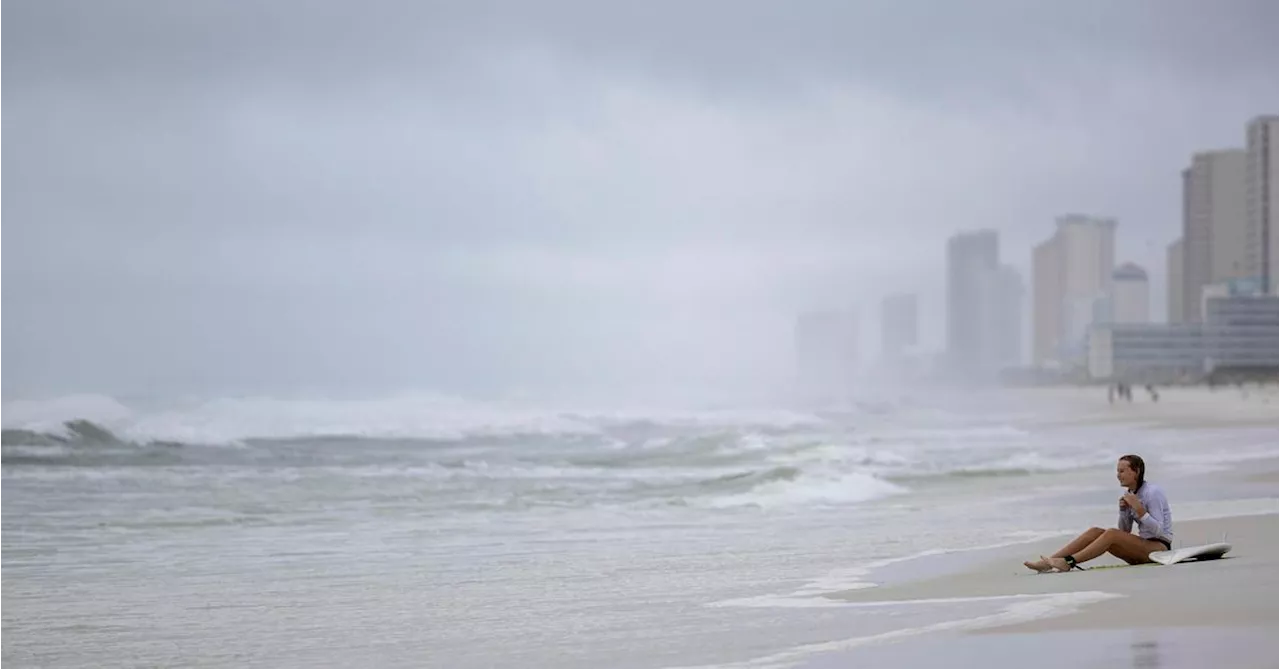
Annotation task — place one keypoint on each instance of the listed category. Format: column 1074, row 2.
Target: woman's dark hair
column 1137, row 465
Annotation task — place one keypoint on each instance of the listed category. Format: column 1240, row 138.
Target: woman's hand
column 1131, row 500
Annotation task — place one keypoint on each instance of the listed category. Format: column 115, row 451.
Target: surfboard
column 1205, row 552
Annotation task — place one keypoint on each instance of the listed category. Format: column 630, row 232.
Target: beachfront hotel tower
column 1213, row 225
column 984, row 306
column 973, row 262
column 1260, row 203
column 1071, row 274
column 1046, row 300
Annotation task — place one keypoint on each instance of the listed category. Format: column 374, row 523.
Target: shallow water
column 622, row 540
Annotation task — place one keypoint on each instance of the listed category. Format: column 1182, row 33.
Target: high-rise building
column 1046, row 302
column 1260, row 203
column 1213, row 225
column 826, row 353
column 899, row 325
column 1085, row 258
column 973, row 261
column 1130, row 295
column 1174, row 260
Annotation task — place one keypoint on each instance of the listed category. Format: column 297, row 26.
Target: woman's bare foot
column 1039, row 566
column 1056, row 563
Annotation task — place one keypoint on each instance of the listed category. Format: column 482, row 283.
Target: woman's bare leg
column 1079, row 543
column 1075, row 545
column 1128, row 547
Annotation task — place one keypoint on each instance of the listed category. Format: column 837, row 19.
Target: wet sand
column 1152, row 595
column 1220, row 647
column 1220, row 612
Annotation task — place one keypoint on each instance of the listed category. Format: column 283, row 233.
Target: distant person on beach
column 1144, row 503
column 1122, row 390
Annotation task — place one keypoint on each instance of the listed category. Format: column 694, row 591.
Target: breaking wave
column 427, row 417
column 490, row 454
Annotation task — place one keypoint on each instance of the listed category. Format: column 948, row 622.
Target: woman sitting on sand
column 1142, row 502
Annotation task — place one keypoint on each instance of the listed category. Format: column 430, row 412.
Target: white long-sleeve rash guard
column 1157, row 522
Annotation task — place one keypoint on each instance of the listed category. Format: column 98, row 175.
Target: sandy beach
column 1182, row 407
column 1220, row 612
column 1151, row 595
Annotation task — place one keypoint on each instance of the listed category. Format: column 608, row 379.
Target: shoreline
column 1185, row 615
column 1192, row 611
column 1215, row 609
column 1049, row 611
column 1253, row 536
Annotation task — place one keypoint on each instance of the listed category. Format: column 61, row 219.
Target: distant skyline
column 481, row 198
column 1092, row 313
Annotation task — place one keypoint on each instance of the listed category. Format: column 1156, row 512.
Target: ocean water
column 420, row 531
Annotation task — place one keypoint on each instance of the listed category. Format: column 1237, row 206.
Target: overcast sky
column 478, row 197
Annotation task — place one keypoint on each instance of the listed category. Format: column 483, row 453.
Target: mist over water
column 551, row 204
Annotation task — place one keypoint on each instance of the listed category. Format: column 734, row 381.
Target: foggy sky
column 489, row 196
